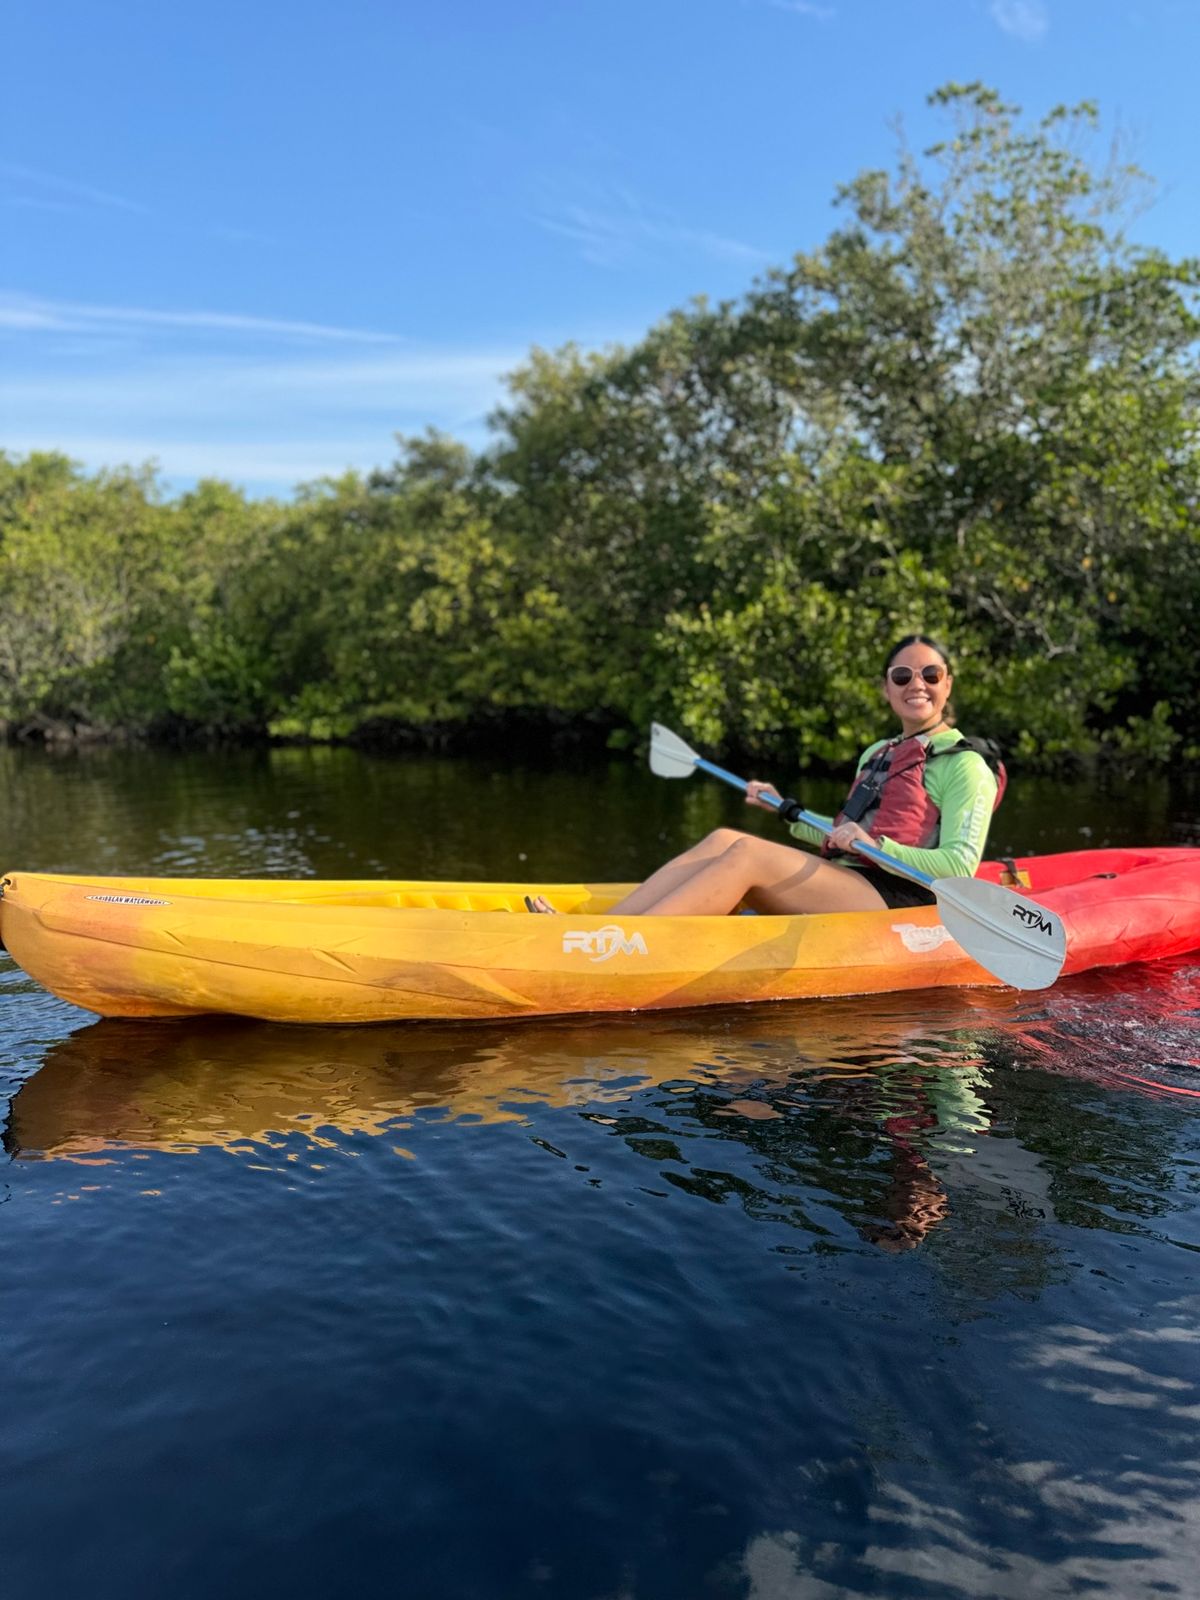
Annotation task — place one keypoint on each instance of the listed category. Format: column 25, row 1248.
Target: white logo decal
column 921, row 939
column 127, row 900
column 604, row 943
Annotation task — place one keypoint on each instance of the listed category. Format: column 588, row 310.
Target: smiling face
column 919, row 705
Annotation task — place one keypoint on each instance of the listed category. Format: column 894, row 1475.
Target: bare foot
column 538, row 902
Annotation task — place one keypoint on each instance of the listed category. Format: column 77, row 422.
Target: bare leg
column 676, row 871
column 667, row 877
column 771, row 878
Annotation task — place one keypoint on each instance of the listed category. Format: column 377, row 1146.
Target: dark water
column 887, row 1297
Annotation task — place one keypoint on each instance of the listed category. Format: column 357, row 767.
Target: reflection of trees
column 1112, row 1158
column 315, row 811
column 891, row 1152
column 1097, row 1109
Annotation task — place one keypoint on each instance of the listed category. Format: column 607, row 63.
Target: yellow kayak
column 328, row 951
column 317, row 950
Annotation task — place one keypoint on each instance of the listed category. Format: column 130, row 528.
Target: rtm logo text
column 1034, row 920
column 604, row 943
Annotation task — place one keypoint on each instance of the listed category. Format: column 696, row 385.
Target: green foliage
column 81, row 571
column 972, row 410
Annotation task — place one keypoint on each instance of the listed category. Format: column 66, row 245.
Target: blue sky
column 255, row 240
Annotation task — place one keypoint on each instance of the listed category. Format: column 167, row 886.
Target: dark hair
column 949, row 715
column 916, row 638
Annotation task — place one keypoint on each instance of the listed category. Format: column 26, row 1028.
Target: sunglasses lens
column 901, row 675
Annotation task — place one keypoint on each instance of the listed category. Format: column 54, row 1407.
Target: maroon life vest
column 888, row 798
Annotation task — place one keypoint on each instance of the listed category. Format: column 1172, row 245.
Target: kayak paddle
column 1018, row 941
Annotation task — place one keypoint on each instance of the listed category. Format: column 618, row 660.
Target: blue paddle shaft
column 820, row 825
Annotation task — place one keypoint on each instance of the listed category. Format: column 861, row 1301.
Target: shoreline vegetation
column 972, row 411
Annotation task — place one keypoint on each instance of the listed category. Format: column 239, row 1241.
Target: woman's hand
column 843, row 836
column 754, row 792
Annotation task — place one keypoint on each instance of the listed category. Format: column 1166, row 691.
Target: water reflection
column 875, row 1119
column 173, row 1086
column 337, row 813
column 333, row 812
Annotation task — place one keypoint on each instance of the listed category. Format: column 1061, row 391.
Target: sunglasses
column 901, row 675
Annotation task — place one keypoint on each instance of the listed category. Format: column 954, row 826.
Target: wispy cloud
column 1024, row 19
column 29, row 202
column 804, row 8
column 613, row 235
column 33, row 190
column 179, row 392
column 272, row 465
column 267, row 430
column 40, row 182
column 28, row 313
column 265, row 426
column 261, row 401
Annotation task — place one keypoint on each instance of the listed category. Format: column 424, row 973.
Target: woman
column 927, row 812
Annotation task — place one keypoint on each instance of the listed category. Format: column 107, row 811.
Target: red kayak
column 1118, row 905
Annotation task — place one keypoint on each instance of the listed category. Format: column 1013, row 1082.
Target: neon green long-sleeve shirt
column 963, row 790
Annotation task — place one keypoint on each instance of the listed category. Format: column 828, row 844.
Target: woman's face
column 918, row 703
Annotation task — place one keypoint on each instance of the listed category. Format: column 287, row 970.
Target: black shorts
column 895, row 892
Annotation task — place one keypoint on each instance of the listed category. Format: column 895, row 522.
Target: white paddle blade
column 1019, row 941
column 669, row 756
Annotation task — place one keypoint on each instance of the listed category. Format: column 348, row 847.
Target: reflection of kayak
column 222, row 1082
column 316, row 951
column 147, row 1085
